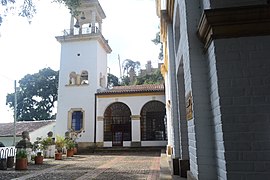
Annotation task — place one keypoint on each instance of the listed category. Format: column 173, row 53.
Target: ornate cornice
column 234, row 22
column 86, row 37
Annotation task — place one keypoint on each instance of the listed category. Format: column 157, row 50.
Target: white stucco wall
column 134, row 102
column 8, row 141
column 42, row 132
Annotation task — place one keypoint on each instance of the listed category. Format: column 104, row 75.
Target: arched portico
column 152, row 121
column 117, row 123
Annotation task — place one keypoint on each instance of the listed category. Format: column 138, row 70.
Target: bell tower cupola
column 87, row 18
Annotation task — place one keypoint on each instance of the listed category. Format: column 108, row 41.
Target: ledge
column 234, row 22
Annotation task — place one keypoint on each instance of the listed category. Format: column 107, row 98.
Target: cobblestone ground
column 115, row 166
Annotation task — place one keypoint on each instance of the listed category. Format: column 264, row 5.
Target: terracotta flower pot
column 21, row 164
column 58, row 156
column 39, row 160
column 75, row 150
column 70, row 152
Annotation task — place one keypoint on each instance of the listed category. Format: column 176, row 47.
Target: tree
column 154, row 78
column 26, row 8
column 130, row 66
column 36, row 95
column 157, row 41
column 112, row 80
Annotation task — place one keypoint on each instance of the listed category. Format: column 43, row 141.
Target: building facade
column 217, row 80
column 122, row 116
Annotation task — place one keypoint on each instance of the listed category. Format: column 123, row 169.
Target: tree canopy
column 36, row 96
column 113, row 80
column 27, row 8
column 130, row 66
column 154, row 78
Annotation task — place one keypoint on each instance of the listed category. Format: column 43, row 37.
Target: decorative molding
column 234, row 22
column 129, row 95
column 100, row 118
column 135, row 117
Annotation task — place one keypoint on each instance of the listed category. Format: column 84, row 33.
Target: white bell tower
column 83, row 70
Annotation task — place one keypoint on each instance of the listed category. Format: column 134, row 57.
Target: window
column 76, row 119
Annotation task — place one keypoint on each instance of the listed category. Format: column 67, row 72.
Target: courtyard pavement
column 99, row 166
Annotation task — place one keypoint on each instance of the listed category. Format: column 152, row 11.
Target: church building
column 124, row 116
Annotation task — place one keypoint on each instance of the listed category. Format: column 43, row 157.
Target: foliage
column 36, row 95
column 113, row 80
column 72, row 5
column 37, row 144
column 125, row 81
column 27, row 8
column 21, row 153
column 24, row 8
column 46, row 142
column 130, row 66
column 157, row 41
column 59, row 143
column 69, row 143
column 154, row 78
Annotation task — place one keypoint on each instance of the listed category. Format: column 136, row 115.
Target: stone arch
column 152, row 121
column 117, row 123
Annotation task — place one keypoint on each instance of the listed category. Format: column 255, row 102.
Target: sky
column 25, row 47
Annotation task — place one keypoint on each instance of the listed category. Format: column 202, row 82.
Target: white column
column 136, row 128
column 100, row 129
column 100, row 26
column 71, row 25
column 93, row 21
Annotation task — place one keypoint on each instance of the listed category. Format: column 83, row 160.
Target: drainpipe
column 95, row 122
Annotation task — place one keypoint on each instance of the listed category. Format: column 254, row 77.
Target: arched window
column 72, row 78
column 152, row 121
column 84, row 77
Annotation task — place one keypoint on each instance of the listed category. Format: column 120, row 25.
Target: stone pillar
column 100, row 131
column 136, row 131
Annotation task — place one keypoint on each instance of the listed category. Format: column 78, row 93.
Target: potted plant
column 21, row 159
column 39, row 158
column 59, row 144
column 69, row 145
column 47, row 144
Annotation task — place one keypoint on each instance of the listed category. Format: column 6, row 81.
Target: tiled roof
column 133, row 89
column 7, row 129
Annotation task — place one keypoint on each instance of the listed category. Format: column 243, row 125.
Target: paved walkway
column 99, row 166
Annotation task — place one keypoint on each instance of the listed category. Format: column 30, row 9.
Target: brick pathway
column 117, row 166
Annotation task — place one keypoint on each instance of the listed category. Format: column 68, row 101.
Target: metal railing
column 7, row 152
column 79, row 31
